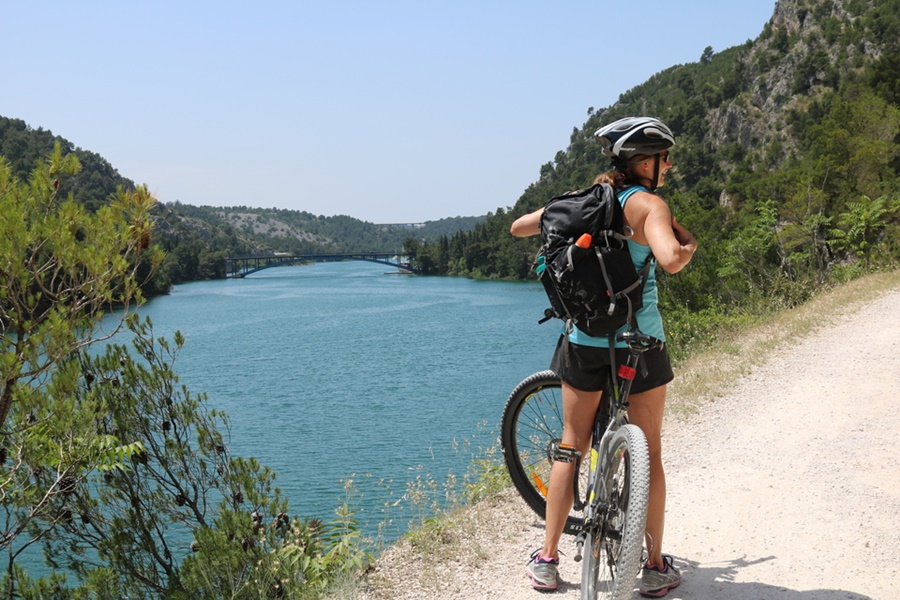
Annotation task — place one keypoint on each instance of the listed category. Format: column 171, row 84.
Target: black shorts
column 586, row 368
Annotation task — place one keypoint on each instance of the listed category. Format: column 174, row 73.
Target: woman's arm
column 526, row 225
column 672, row 244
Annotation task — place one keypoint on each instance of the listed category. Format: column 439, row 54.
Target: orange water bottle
column 584, row 241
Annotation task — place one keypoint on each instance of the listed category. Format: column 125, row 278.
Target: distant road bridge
column 241, row 266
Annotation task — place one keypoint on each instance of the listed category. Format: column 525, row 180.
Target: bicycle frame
column 609, row 515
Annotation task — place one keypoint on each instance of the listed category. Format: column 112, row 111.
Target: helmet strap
column 655, row 181
column 640, row 178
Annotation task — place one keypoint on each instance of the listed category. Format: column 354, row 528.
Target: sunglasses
column 664, row 156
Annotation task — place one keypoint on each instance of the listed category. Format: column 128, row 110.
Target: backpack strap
column 613, row 370
column 623, row 195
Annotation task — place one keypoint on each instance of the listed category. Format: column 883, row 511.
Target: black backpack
column 590, row 279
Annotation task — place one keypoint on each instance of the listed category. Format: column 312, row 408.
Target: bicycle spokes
column 531, row 427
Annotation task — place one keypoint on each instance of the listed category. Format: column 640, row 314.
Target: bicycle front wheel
column 530, row 431
column 613, row 546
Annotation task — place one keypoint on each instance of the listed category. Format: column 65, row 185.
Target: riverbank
column 782, row 473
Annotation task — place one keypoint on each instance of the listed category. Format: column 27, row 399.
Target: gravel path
column 787, row 488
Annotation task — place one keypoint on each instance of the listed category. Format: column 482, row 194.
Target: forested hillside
column 22, row 147
column 786, row 169
column 786, row 165
column 197, row 240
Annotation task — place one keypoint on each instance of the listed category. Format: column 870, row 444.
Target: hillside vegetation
column 197, row 239
column 786, row 170
column 786, row 165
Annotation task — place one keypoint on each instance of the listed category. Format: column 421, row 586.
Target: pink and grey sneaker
column 657, row 581
column 543, row 572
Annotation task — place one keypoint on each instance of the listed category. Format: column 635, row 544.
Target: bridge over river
column 241, row 266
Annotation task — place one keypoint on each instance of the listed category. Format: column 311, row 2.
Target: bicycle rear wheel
column 613, row 546
column 530, row 430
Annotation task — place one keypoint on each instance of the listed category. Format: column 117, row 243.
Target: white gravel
column 787, row 488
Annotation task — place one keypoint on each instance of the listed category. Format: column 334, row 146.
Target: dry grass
column 710, row 373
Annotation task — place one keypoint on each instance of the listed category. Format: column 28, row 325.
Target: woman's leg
column 646, row 411
column 579, row 409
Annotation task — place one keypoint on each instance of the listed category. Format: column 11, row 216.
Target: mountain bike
column 608, row 520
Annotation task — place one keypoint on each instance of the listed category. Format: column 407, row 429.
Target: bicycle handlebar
column 639, row 341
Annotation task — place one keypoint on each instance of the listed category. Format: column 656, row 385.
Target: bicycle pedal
column 566, row 454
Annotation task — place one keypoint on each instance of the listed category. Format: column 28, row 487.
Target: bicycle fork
column 588, row 505
column 595, row 505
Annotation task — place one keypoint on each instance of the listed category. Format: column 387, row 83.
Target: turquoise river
column 340, row 370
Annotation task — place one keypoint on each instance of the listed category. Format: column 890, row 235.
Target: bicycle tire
column 532, row 422
column 615, row 547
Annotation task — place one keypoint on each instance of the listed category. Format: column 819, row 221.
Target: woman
column 639, row 148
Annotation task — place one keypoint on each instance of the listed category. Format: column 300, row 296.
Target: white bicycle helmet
column 631, row 136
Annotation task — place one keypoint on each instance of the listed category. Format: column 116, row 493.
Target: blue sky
column 390, row 111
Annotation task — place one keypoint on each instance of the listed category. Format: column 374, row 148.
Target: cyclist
column 639, row 148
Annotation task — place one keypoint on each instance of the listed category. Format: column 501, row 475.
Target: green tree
column 859, row 229
column 127, row 530
column 854, row 146
column 803, row 233
column 61, row 268
column 111, row 466
column 749, row 257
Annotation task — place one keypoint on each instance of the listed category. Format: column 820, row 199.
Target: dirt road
column 786, row 488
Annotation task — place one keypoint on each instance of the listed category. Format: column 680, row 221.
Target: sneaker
column 656, row 582
column 543, row 572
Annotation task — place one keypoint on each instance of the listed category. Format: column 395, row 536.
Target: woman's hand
column 684, row 237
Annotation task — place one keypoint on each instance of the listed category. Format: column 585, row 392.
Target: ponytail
column 621, row 176
column 615, row 178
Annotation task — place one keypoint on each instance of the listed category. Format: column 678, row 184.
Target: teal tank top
column 649, row 320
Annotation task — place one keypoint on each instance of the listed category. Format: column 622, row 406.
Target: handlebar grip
column 638, row 340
